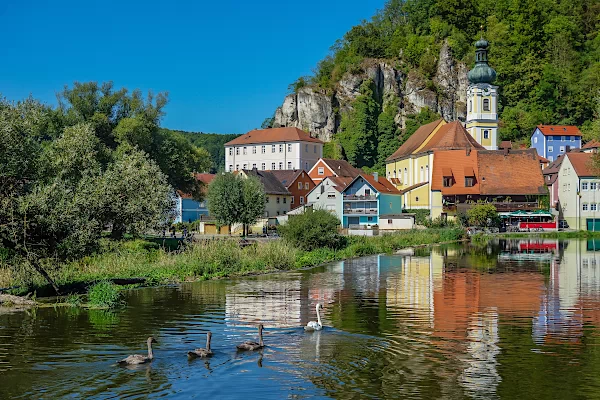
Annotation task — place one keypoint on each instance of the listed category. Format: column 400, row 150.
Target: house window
column 284, row 200
column 301, row 199
column 289, row 165
column 469, row 181
column 306, row 166
column 562, row 149
column 572, row 138
column 253, row 149
column 417, row 199
column 306, row 186
column 389, row 221
column 245, row 150
column 237, row 167
column 405, row 181
column 315, row 149
column 563, row 138
column 289, row 147
column 281, row 148
column 593, row 207
column 331, row 195
column 245, row 166
column 263, row 149
column 422, row 176
column 272, row 166
column 584, row 186
column 253, row 166
column 447, row 181
column 299, row 185
column 277, row 212
column 230, row 167
column 322, row 189
column 535, row 140
column 470, row 105
column 237, row 151
column 569, row 187
column 584, row 207
column 369, row 219
column 593, row 185
column 550, row 138
column 427, row 172
column 486, row 134
column 272, row 148
column 262, row 166
column 321, row 171
column 292, row 200
column 306, row 148
column 486, row 104
column 230, row 151
column 278, row 200
column 280, row 165
column 550, row 149
column 367, row 192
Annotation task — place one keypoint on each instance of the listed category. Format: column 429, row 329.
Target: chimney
column 376, row 176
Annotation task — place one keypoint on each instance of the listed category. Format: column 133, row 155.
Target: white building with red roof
column 285, row 148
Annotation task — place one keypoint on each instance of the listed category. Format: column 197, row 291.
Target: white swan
column 315, row 326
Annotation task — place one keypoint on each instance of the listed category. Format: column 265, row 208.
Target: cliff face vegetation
column 408, row 65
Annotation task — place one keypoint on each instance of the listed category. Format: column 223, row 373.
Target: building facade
column 273, row 149
column 189, row 210
column 327, row 195
column 579, row 192
column 298, row 183
column 482, row 100
column 367, row 200
column 551, row 141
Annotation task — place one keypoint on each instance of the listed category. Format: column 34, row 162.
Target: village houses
column 278, row 198
column 328, row 167
column 551, row 141
column 298, row 183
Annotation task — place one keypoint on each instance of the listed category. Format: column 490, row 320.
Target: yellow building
column 410, row 167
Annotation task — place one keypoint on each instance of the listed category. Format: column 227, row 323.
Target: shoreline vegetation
column 150, row 265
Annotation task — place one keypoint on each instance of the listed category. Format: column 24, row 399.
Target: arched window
column 486, row 104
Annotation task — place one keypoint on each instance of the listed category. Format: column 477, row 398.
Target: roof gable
column 380, row 185
column 337, row 167
column 270, row 182
column 273, row 135
column 559, row 130
column 416, row 139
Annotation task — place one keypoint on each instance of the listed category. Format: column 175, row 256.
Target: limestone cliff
column 319, row 112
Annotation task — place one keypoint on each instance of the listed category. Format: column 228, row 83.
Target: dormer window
column 448, row 181
column 469, row 181
column 448, row 177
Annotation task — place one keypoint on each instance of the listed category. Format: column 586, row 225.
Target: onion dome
column 482, row 72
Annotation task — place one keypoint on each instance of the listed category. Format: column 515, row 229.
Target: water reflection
column 506, row 319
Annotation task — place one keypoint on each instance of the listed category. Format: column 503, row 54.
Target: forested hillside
column 213, row 143
column 546, row 54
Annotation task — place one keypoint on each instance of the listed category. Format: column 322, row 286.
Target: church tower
column 482, row 100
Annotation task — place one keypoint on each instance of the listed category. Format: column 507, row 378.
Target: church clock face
column 486, row 92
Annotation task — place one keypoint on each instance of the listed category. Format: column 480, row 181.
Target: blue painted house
column 372, row 200
column 550, row 141
column 189, row 210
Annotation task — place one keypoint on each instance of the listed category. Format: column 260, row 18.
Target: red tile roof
column 339, row 167
column 543, row 160
column 382, row 185
column 340, row 182
column 582, row 164
column 287, row 176
column 496, row 173
column 451, row 136
column 273, row 135
column 559, row 130
column 204, row 178
column 592, row 144
column 415, row 140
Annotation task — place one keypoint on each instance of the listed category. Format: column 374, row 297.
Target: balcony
column 353, row 197
column 360, row 211
column 500, row 206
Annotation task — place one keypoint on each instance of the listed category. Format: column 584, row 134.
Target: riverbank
column 548, row 235
column 207, row 260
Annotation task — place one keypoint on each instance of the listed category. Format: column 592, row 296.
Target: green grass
column 104, row 294
column 207, row 260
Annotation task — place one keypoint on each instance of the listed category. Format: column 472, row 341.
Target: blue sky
column 226, row 64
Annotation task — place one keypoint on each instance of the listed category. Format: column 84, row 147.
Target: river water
column 511, row 319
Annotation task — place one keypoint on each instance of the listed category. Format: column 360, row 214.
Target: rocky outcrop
column 319, row 113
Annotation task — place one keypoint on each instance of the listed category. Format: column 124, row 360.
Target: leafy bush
column 313, row 229
column 421, row 215
column 483, row 215
column 104, row 294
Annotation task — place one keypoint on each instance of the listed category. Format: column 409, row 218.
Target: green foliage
column 483, row 215
column 414, row 121
column 358, row 129
column 421, row 215
column 104, row 294
column 213, row 143
column 233, row 199
column 312, row 229
column 332, row 150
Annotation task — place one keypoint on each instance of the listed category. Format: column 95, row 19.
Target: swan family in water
column 136, row 359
